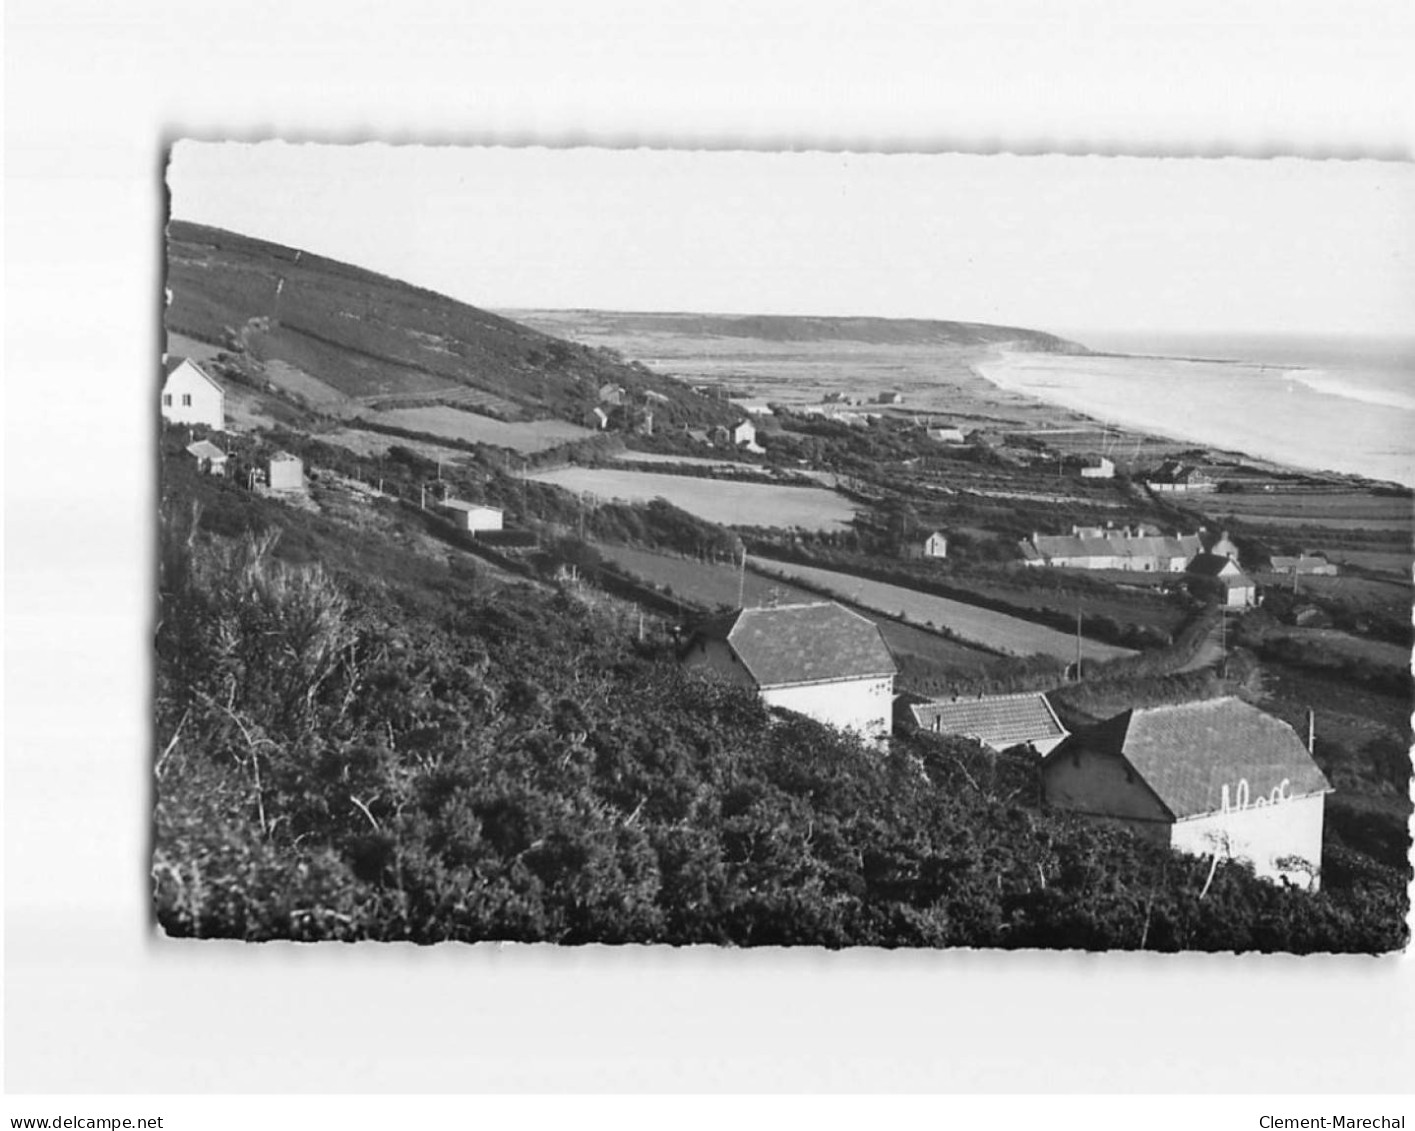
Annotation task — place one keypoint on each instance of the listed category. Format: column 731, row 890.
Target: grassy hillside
column 310, row 322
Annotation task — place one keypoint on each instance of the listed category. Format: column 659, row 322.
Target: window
column 186, row 400
column 167, row 400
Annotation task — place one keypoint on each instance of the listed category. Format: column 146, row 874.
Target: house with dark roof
column 1219, row 578
column 1000, row 722
column 191, row 395
column 1217, row 777
column 819, row 659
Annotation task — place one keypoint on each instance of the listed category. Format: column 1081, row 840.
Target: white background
column 97, row 1002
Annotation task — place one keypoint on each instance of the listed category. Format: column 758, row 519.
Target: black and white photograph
column 604, row 546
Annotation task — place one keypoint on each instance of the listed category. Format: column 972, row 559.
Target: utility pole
column 1078, row 640
column 742, row 580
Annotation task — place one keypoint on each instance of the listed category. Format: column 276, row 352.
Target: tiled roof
column 1187, row 754
column 804, row 644
column 205, row 449
column 1115, row 546
column 999, row 721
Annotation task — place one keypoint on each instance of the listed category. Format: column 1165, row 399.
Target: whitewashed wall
column 207, row 405
column 1261, row 834
column 861, row 705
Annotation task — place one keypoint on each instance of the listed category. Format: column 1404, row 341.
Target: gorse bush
column 334, row 763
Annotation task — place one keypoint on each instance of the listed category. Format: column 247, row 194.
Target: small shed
column 1098, row 468
column 936, row 545
column 285, row 472
column 999, row 722
column 473, row 517
column 946, row 435
column 209, row 457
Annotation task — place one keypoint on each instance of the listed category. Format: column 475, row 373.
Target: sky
column 1049, row 242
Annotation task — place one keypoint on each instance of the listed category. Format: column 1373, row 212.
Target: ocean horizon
column 1344, row 404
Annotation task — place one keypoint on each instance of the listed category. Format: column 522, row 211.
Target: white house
column 1098, row 468
column 190, row 395
column 820, row 660
column 473, row 517
column 1123, row 547
column 1000, row 722
column 1219, row 577
column 1214, row 777
column 946, row 435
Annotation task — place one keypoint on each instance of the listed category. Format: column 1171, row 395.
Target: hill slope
column 802, row 328
column 335, row 332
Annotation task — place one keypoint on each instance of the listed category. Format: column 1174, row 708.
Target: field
column 1338, row 509
column 732, row 504
column 438, row 420
column 690, row 461
column 993, row 630
column 708, row 583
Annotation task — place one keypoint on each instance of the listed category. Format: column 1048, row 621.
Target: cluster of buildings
column 1217, row 777
column 1140, row 548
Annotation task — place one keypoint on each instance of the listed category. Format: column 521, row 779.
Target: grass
column 990, row 629
column 717, row 583
column 455, row 424
column 731, row 504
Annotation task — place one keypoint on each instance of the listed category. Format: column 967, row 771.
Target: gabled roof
column 1210, row 565
column 815, row 643
column 1113, row 545
column 999, row 721
column 1306, row 561
column 1194, row 755
column 171, row 364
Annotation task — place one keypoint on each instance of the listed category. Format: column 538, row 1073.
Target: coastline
column 1255, row 412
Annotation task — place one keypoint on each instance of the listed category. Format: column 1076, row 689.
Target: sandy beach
column 1302, row 418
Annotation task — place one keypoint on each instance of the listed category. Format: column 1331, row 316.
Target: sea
column 1343, row 404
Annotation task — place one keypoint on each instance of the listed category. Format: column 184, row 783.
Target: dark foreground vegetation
column 356, row 745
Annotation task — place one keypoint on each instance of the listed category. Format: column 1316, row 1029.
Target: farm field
column 732, row 504
column 690, row 461
column 1380, row 560
column 1338, row 510
column 716, row 583
column 365, row 443
column 990, row 629
column 1349, row 647
column 530, row 436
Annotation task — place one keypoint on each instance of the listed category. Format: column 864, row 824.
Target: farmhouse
column 473, row 517
column 285, row 472
column 820, row 660
column 1109, row 547
column 1218, row 577
column 1098, row 468
column 1173, row 477
column 1215, row 777
column 890, row 398
column 190, row 395
column 1315, row 565
column 946, row 435
column 1000, row 722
